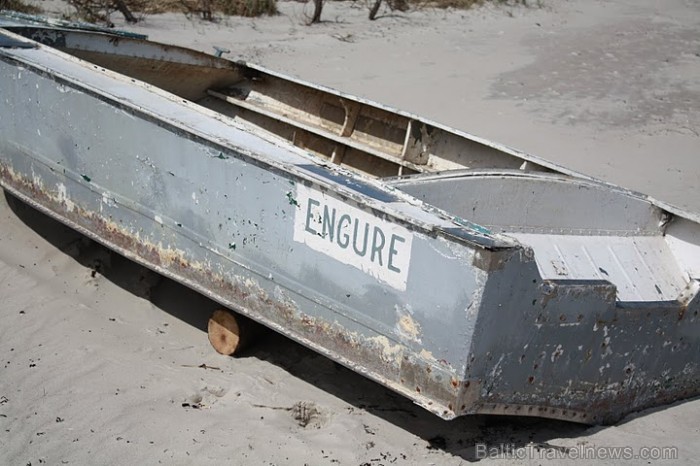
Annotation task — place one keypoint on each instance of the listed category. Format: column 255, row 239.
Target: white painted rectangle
column 353, row 236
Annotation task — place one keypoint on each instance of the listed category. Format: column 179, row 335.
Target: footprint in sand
column 206, row 397
column 309, row 415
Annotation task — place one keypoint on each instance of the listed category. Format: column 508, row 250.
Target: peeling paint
column 426, row 355
column 557, row 353
column 62, row 197
column 390, row 352
column 408, row 327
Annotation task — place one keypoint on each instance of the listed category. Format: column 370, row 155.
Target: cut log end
column 226, row 332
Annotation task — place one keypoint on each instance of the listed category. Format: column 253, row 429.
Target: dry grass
column 99, row 11
column 466, row 4
column 458, row 4
column 249, row 8
column 207, row 8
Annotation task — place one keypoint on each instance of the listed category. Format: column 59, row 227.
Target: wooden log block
column 228, row 332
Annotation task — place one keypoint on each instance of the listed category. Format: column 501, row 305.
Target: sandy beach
column 104, row 362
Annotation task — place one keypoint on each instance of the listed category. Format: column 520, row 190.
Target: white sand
column 611, row 89
column 92, row 372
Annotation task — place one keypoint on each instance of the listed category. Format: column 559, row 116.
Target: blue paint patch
column 471, row 225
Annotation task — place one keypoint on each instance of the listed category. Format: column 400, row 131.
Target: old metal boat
column 467, row 276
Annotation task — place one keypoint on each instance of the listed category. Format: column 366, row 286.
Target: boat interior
column 361, row 136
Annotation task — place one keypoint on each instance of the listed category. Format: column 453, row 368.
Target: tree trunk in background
column 375, row 8
column 318, row 6
column 123, row 9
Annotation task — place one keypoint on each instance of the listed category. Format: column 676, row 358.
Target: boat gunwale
column 582, row 180
column 209, row 61
column 459, row 174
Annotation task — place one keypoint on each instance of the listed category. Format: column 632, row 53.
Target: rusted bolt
column 547, row 289
column 530, row 379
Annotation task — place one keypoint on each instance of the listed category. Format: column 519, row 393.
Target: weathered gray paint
column 479, row 326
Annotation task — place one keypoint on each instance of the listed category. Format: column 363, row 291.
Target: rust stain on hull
column 398, row 370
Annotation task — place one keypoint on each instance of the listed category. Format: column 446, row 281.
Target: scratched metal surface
column 603, row 319
column 456, row 317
